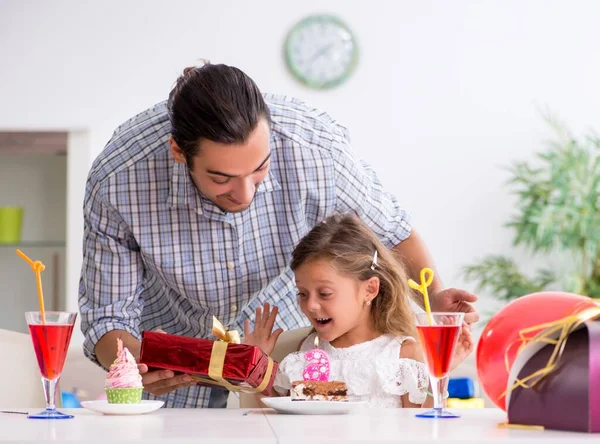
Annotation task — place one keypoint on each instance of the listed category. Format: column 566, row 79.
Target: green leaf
column 557, row 196
column 501, row 277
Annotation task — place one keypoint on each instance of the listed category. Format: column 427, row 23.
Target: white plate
column 286, row 405
column 103, row 406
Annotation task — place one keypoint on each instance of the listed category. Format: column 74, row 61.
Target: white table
column 265, row 426
column 206, row 426
column 400, row 425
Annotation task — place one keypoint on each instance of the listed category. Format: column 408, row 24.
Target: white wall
column 444, row 95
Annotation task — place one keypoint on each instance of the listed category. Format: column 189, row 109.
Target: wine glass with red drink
column 51, row 334
column 438, row 334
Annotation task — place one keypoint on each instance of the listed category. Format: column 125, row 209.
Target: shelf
column 35, row 244
column 27, row 142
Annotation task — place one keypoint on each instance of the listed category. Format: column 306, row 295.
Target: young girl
column 355, row 294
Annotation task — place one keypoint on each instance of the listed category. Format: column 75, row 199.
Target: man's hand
column 161, row 382
column 414, row 254
column 464, row 346
column 455, row 300
column 263, row 335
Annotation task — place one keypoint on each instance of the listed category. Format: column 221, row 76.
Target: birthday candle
column 319, row 366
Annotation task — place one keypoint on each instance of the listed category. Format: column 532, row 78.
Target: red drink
column 50, row 343
column 50, row 334
column 438, row 343
column 438, row 333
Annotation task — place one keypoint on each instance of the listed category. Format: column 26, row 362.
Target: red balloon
column 503, row 330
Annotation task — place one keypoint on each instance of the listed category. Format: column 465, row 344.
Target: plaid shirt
column 157, row 254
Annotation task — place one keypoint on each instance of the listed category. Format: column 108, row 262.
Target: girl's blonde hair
column 350, row 245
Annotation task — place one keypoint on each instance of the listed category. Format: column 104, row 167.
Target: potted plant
column 557, row 210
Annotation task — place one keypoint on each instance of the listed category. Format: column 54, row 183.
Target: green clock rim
column 298, row 75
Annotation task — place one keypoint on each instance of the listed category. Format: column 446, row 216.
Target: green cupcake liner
column 124, row 395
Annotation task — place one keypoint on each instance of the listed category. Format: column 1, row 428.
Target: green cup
column 11, row 222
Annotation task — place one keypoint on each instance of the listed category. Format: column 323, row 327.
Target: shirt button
column 234, row 307
column 230, row 265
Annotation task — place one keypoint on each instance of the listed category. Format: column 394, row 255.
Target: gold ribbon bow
column 217, row 359
column 231, row 336
column 543, row 333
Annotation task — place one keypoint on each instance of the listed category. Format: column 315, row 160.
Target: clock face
column 321, row 51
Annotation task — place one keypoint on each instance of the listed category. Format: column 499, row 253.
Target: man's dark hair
column 215, row 102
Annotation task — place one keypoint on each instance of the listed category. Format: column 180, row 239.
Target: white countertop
column 208, row 426
column 265, row 426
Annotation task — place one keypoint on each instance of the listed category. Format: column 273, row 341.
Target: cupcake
column 123, row 381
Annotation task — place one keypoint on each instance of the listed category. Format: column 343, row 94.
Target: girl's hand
column 464, row 346
column 263, row 335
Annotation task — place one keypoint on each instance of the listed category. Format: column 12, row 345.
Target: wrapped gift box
column 567, row 396
column 468, row 403
column 461, row 388
column 236, row 367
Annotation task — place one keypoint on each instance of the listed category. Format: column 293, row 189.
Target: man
column 194, row 208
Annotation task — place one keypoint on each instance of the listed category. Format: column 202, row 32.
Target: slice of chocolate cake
column 319, row 391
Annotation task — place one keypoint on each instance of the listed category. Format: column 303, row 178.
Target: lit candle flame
column 316, row 343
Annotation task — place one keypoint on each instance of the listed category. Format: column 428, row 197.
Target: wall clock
column 321, row 51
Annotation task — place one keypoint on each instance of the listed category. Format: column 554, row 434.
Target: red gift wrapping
column 236, row 367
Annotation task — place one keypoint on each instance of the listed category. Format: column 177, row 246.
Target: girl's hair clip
column 374, row 262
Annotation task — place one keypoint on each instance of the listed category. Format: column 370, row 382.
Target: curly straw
column 37, row 267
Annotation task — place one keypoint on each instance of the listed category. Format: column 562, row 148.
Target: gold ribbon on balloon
column 544, row 333
column 217, row 359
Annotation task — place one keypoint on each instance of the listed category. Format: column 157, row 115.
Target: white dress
column 373, row 371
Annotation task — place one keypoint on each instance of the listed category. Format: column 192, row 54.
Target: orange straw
column 422, row 288
column 37, row 267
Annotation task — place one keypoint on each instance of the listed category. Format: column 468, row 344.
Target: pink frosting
column 123, row 373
